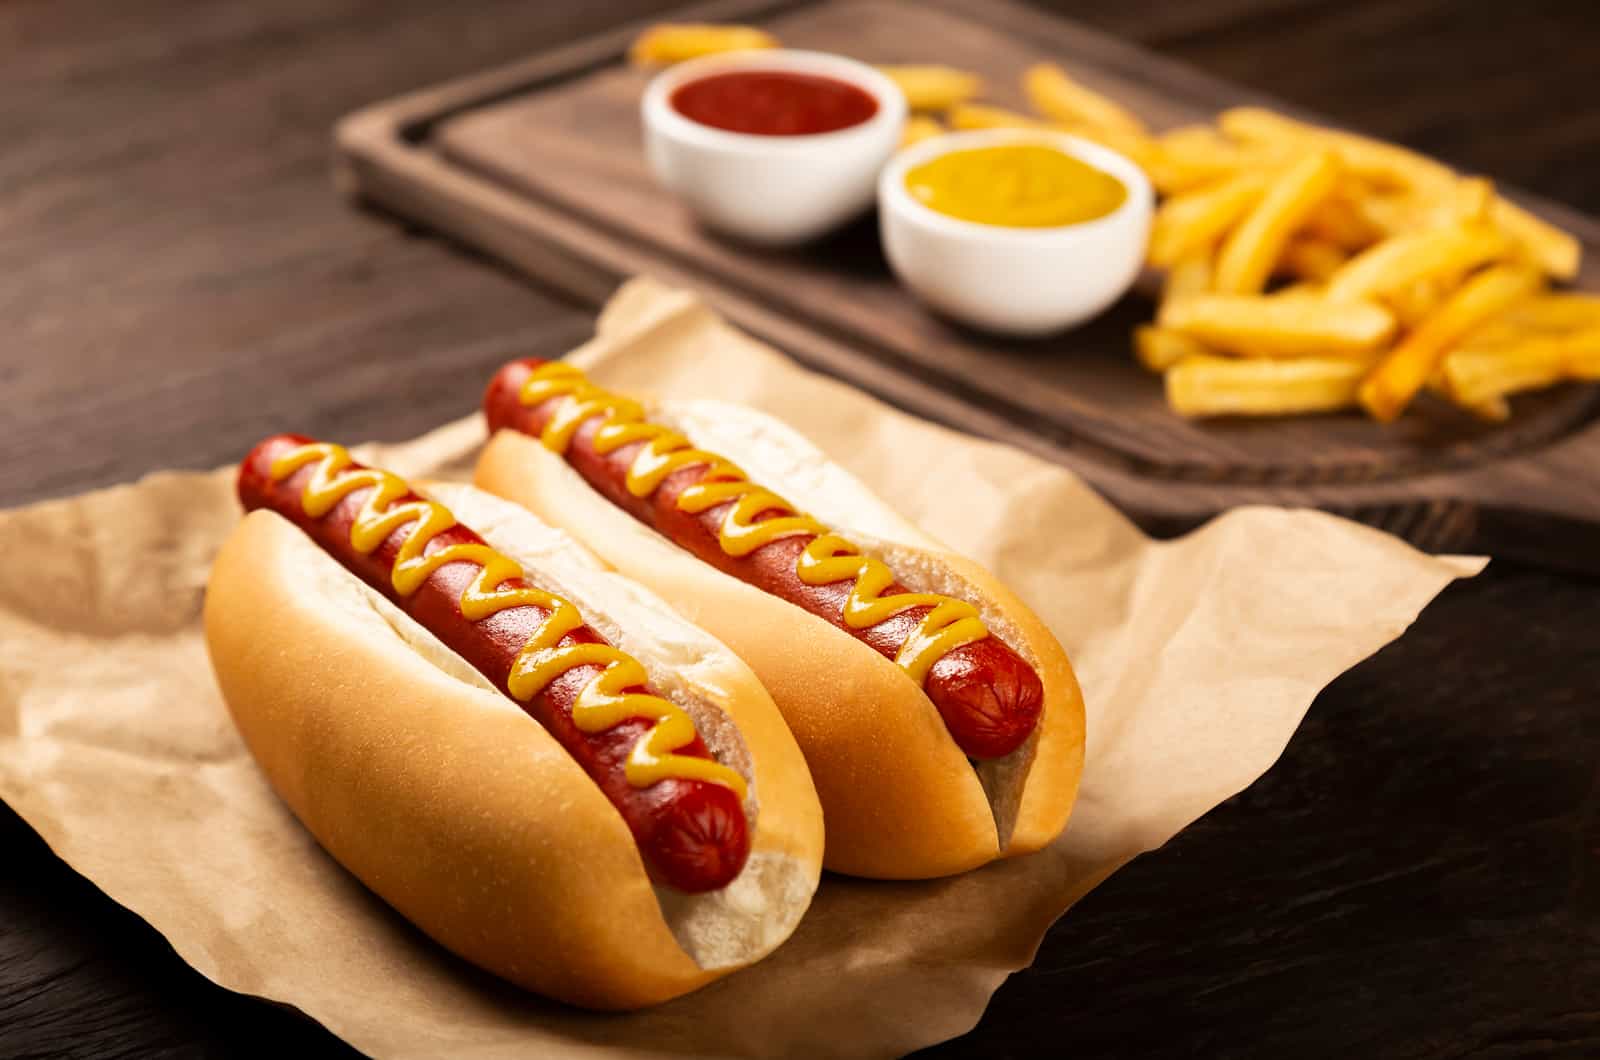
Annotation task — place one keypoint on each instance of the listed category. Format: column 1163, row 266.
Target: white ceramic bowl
column 771, row 190
column 1017, row 281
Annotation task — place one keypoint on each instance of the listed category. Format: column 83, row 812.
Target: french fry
column 1567, row 311
column 1250, row 250
column 1556, row 251
column 1159, row 349
column 1312, row 259
column 1176, row 171
column 1190, row 157
column 1222, row 386
column 1192, row 275
column 1188, row 224
column 1385, row 164
column 1583, row 355
column 1340, row 222
column 1495, row 409
column 1499, row 331
column 1203, row 146
column 1491, row 409
column 1392, row 214
column 988, row 116
column 1400, row 261
column 1479, row 373
column 1466, row 200
column 669, row 43
column 1172, row 177
column 934, row 88
column 1197, row 137
column 1276, row 326
column 1396, row 380
column 1473, row 200
column 920, row 127
column 1200, row 154
column 1415, row 302
column 1475, row 373
column 1055, row 95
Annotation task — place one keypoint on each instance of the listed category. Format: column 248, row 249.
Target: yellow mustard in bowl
column 1020, row 185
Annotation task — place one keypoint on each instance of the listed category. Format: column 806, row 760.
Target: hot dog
column 997, row 682
column 700, row 826
column 987, row 695
column 691, row 831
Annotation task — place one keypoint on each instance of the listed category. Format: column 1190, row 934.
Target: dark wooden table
column 1419, row 876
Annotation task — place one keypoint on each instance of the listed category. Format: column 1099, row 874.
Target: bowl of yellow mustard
column 1017, row 231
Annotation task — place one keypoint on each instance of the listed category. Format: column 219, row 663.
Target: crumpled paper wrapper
column 1198, row 658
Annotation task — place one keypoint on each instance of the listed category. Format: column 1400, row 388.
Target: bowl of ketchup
column 772, row 147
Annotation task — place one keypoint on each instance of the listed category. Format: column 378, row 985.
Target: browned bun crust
column 442, row 796
column 899, row 798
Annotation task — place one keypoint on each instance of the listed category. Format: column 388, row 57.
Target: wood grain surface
column 1417, row 877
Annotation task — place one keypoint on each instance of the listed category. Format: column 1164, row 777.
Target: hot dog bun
column 901, row 800
column 464, row 814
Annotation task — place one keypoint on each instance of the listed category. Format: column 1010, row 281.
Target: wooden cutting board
column 541, row 165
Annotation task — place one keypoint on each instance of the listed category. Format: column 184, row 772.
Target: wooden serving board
column 540, row 164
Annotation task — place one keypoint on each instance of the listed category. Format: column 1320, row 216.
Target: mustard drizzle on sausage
column 602, row 704
column 830, row 558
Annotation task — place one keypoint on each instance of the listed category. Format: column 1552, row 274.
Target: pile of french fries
column 1308, row 270
column 1305, row 269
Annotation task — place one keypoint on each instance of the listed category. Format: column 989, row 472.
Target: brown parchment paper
column 1198, row 659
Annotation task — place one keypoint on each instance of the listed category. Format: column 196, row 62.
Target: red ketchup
column 773, row 103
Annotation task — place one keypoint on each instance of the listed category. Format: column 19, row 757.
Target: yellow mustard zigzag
column 602, row 704
column 829, row 558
